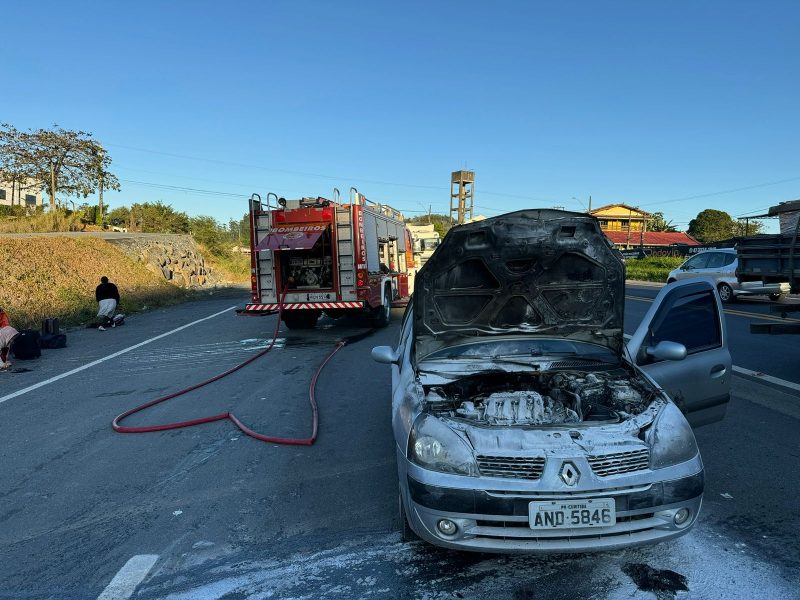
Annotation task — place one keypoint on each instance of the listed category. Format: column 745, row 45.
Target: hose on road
column 116, row 424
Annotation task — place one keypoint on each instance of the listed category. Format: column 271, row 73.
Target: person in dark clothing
column 107, row 296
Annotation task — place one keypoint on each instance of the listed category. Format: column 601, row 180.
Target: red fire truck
column 316, row 255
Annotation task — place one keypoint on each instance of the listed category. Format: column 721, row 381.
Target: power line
column 323, row 176
column 720, row 193
column 399, row 184
column 178, row 188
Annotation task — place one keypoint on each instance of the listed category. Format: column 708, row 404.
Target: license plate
column 572, row 514
column 321, row 297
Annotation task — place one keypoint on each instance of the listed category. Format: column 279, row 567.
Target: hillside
column 56, row 277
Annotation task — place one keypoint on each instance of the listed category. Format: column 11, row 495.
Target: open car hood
column 538, row 272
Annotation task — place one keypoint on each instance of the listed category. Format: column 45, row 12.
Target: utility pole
column 462, row 184
column 53, row 205
column 100, row 203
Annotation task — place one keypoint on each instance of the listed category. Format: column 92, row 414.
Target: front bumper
column 497, row 521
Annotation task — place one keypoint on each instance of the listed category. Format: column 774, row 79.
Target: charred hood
column 538, row 272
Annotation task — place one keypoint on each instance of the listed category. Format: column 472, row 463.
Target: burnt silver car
column 522, row 421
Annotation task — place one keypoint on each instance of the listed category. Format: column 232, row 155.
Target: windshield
column 525, row 348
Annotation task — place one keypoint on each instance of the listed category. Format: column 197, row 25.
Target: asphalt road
column 207, row 512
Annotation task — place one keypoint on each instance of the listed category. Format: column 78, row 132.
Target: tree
column 712, row 226
column 120, row 216
column 659, row 223
column 157, row 217
column 743, row 228
column 441, row 223
column 208, row 232
column 15, row 169
column 60, row 160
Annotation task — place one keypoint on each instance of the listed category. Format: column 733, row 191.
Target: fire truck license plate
column 321, row 298
column 572, row 514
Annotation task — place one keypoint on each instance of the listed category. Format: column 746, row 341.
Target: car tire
column 406, row 533
column 726, row 293
column 300, row 319
column 383, row 314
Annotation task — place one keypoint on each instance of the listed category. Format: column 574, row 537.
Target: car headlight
column 671, row 438
column 433, row 445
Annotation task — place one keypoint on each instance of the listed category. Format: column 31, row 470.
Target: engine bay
column 549, row 398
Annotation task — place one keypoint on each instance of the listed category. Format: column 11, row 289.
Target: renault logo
column 569, row 473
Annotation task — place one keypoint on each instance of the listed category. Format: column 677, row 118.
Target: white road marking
column 768, row 378
column 128, row 577
column 758, row 375
column 110, row 356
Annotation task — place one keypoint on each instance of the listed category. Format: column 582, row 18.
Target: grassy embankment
column 56, row 277
column 20, row 222
column 655, row 268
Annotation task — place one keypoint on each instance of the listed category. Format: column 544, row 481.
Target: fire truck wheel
column 383, row 314
column 300, row 319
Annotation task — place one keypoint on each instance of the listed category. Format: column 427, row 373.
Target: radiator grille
column 620, row 462
column 511, row 467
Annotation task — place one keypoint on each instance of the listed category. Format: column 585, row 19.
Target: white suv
column 720, row 265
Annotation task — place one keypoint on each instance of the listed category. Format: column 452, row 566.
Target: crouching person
column 7, row 335
column 107, row 296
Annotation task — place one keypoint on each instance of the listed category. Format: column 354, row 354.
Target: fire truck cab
column 315, row 255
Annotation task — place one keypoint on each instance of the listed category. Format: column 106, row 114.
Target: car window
column 697, row 262
column 730, row 257
column 716, row 260
column 691, row 320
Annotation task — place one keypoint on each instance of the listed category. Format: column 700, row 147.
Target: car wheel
column 726, row 292
column 383, row 314
column 406, row 533
column 300, row 319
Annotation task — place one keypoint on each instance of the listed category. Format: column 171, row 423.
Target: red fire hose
column 116, row 424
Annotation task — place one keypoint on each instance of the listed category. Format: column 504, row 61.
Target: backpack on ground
column 26, row 345
column 50, row 326
column 52, row 341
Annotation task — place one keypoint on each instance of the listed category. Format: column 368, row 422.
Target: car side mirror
column 666, row 350
column 385, row 355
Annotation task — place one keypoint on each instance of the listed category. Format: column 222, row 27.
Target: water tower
column 462, row 184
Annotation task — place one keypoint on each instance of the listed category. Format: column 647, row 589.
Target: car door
column 689, row 313
column 690, row 268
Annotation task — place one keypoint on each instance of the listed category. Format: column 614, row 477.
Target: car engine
column 541, row 399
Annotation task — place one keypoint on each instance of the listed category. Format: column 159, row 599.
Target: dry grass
column 41, row 222
column 234, row 267
column 56, row 277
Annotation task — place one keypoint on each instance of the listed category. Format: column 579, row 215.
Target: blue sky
column 663, row 105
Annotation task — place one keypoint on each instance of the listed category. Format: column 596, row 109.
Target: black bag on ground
column 26, row 345
column 50, row 326
column 53, row 340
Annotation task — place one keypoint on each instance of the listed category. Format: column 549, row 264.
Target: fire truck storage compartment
column 308, row 269
column 385, row 240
